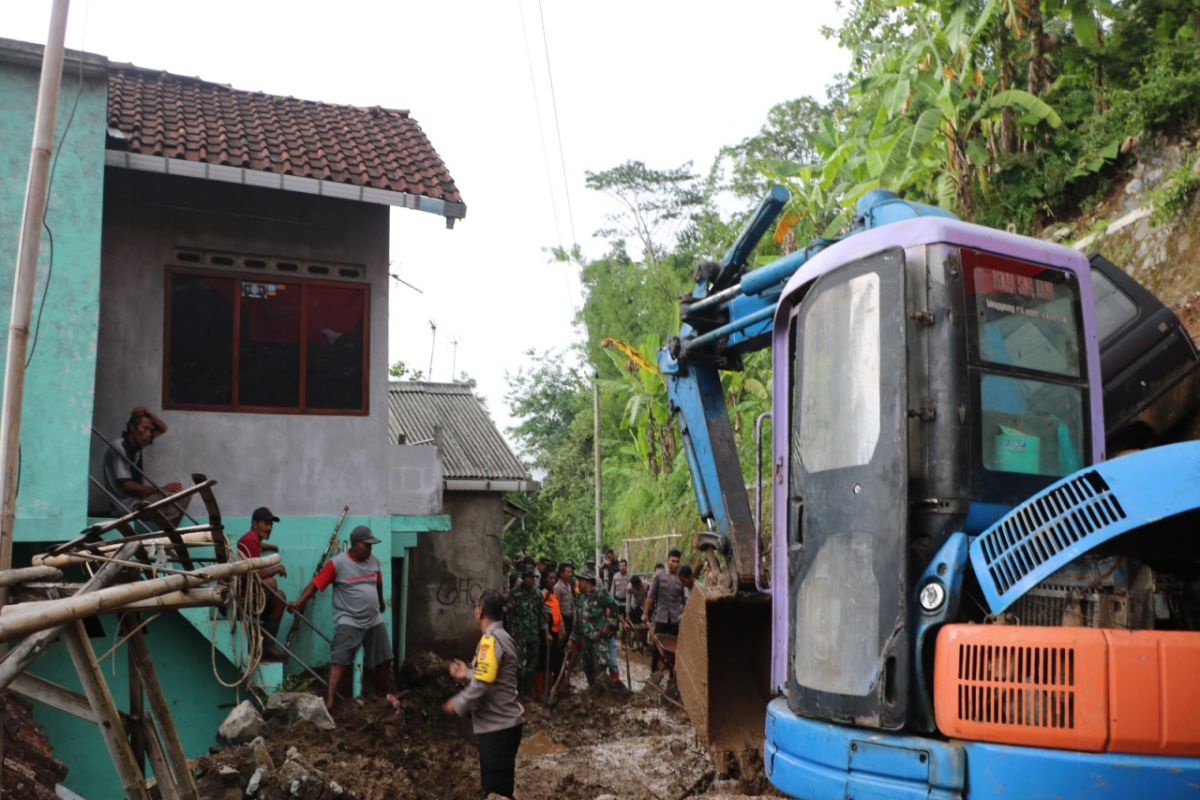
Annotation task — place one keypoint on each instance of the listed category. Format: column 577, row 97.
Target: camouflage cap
column 528, row 571
column 586, row 575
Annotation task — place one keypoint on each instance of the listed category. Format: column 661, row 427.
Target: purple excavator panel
column 911, row 235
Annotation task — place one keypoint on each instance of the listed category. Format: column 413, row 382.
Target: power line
column 562, row 161
column 537, row 105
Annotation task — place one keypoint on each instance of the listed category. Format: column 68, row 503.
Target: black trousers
column 498, row 760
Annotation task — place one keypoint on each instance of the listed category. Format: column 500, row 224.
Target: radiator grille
column 1013, row 685
column 1041, row 528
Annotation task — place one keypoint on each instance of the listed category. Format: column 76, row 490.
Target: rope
column 245, row 605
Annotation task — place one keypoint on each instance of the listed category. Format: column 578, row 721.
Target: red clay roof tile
column 163, row 114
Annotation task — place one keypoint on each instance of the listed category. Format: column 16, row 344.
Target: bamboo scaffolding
column 12, row 577
column 86, row 604
column 57, row 557
column 191, row 598
column 27, row 651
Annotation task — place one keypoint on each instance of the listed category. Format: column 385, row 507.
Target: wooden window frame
column 303, row 283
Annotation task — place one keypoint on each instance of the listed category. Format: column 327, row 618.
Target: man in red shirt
column 262, row 521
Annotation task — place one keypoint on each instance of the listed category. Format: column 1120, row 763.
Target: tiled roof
column 157, row 113
column 472, row 445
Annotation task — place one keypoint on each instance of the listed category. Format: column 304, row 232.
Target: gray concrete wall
column 415, row 483
column 298, row 464
column 450, row 570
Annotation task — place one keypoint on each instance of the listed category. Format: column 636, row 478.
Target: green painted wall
column 184, row 656
column 60, row 381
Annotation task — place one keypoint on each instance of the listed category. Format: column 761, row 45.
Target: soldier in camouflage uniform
column 595, row 621
column 527, row 623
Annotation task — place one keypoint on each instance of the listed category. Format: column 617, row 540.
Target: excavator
column 959, row 593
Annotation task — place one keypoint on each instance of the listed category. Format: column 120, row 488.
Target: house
column 221, row 256
column 449, row 569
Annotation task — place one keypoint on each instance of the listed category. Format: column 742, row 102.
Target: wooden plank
column 55, row 696
column 214, row 514
column 167, row 787
column 111, row 727
column 173, row 747
column 137, row 514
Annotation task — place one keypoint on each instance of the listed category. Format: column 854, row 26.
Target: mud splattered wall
column 450, row 570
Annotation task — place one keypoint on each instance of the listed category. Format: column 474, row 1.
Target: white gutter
column 482, row 485
column 288, row 183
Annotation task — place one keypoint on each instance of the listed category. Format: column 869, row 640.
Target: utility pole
column 432, row 348
column 25, row 277
column 596, row 454
column 24, row 280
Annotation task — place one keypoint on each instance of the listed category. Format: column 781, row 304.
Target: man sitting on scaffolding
column 124, row 476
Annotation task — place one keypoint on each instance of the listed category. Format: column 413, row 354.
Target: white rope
column 243, row 609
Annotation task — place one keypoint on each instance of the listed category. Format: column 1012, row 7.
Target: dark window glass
column 1030, row 427
column 200, row 345
column 300, row 345
column 1026, row 317
column 269, row 345
column 336, row 323
column 1113, row 307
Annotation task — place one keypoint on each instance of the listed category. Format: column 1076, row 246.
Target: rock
column 1135, row 186
column 228, row 774
column 1129, row 145
column 288, row 708
column 242, row 725
column 261, row 756
column 255, row 779
column 1154, row 175
column 292, row 772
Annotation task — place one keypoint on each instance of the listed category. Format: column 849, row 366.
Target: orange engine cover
column 1089, row 689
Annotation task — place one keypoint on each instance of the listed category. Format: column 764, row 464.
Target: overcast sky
column 662, row 82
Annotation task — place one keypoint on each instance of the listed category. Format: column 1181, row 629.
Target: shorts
column 374, row 641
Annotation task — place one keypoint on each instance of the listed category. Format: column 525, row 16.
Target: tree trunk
column 1100, row 97
column 1008, row 120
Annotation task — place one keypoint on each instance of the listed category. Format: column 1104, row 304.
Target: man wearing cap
column 262, row 522
column 357, row 611
column 595, row 622
column 528, row 627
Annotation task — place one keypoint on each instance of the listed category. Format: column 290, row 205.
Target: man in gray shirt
column 564, row 590
column 497, row 716
column 666, row 597
column 357, row 580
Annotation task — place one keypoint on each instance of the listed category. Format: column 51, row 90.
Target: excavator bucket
column 723, row 667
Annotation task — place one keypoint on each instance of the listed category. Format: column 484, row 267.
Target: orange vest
column 555, row 613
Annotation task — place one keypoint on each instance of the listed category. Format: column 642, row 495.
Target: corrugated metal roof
column 472, row 445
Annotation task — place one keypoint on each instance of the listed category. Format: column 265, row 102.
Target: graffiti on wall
column 455, row 590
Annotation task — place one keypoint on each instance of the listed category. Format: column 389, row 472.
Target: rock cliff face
column 1149, row 224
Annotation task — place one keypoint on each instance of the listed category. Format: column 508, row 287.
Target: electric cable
column 537, row 105
column 557, row 129
column 37, row 328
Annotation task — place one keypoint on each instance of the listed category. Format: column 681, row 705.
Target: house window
column 265, row 343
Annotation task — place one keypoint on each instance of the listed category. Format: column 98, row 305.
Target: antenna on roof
column 432, row 346
column 400, row 280
column 454, row 359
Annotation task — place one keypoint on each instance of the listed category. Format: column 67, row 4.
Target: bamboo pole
column 105, row 710
column 12, row 577
column 175, row 756
column 24, row 654
column 54, row 558
column 86, row 604
column 191, row 598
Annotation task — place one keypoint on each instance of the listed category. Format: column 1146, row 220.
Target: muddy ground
column 614, row 745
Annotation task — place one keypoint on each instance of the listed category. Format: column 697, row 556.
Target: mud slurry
column 614, row 744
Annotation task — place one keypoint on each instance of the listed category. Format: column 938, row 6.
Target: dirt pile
column 612, row 744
